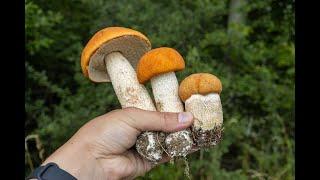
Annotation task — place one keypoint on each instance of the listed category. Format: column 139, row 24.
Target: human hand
column 104, row 147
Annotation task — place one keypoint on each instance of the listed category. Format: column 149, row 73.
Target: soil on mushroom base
column 179, row 143
column 207, row 138
column 143, row 143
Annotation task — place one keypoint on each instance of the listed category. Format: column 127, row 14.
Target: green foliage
column 254, row 60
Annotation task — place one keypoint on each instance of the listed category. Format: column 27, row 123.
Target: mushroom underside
column 131, row 47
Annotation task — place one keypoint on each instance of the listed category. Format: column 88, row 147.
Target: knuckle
column 164, row 121
column 115, row 111
column 129, row 109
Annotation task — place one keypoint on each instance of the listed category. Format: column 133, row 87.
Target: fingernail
column 185, row 117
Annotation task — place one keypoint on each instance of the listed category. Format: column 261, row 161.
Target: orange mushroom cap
column 200, row 83
column 158, row 61
column 115, row 36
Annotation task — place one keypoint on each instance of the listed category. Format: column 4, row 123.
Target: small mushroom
column 201, row 94
column 111, row 55
column 158, row 66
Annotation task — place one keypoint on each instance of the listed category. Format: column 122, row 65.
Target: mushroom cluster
column 124, row 57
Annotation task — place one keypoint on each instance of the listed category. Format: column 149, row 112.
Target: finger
column 157, row 121
column 139, row 164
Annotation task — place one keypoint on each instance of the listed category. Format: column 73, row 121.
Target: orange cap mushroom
column 158, row 61
column 130, row 43
column 201, row 94
column 159, row 66
column 112, row 55
column 200, row 83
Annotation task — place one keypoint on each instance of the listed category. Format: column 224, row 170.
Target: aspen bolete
column 112, row 55
column 201, row 94
column 159, row 66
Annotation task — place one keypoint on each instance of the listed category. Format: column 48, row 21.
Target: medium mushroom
column 201, row 94
column 159, row 66
column 112, row 55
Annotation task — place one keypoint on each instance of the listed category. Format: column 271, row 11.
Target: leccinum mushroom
column 159, row 66
column 201, row 94
column 111, row 55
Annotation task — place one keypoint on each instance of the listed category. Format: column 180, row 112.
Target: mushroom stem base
column 208, row 118
column 207, row 138
column 150, row 145
column 179, row 143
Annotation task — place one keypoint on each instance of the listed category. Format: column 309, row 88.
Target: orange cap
column 158, row 61
column 118, row 39
column 200, row 83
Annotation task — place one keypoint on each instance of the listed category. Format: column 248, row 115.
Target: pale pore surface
column 207, row 110
column 131, row 47
column 165, row 89
column 125, row 83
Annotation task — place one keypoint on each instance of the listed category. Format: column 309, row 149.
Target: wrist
column 75, row 158
column 50, row 171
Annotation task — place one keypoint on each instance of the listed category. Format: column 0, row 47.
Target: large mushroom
column 112, row 55
column 159, row 66
column 201, row 94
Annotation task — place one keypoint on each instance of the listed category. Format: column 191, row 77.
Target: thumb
column 143, row 120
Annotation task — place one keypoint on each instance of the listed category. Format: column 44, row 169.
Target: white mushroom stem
column 131, row 93
column 207, row 110
column 165, row 91
column 125, row 83
column 208, row 118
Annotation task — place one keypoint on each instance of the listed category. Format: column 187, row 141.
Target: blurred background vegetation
column 248, row 44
